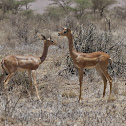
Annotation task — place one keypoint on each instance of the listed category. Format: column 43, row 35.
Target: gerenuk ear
column 43, row 37
column 50, row 38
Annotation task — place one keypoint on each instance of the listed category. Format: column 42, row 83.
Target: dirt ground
column 59, row 93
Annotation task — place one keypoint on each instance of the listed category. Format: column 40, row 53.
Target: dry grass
column 59, row 91
column 59, row 97
column 60, row 104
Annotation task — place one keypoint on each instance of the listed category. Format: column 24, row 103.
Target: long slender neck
column 72, row 51
column 45, row 51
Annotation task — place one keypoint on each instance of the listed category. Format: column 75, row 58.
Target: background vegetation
column 97, row 25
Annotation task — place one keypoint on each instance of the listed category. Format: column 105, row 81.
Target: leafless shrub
column 20, row 29
column 120, row 12
column 9, row 105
